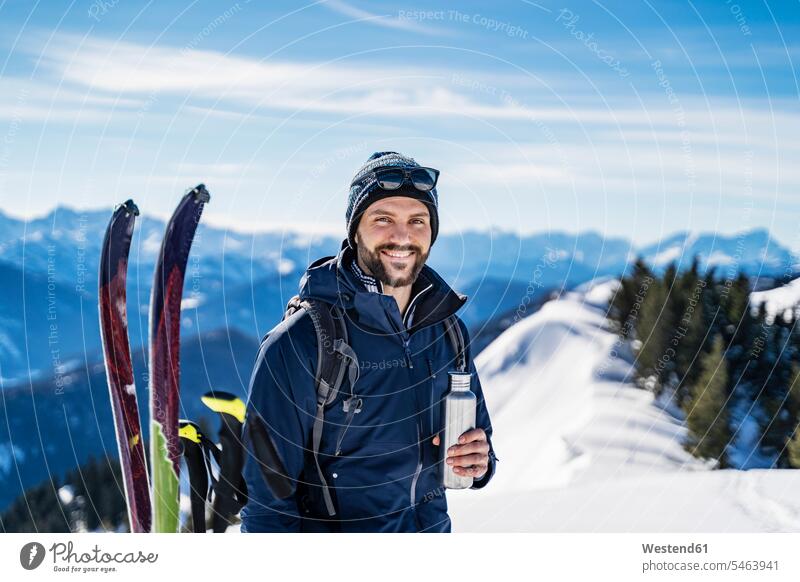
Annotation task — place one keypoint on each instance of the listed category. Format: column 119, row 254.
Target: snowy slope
column 580, row 449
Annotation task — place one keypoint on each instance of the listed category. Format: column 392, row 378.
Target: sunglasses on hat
column 423, row 179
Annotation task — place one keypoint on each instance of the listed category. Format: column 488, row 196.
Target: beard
column 372, row 259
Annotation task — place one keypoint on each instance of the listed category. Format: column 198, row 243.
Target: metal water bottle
column 459, row 417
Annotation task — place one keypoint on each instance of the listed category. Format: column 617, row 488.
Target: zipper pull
column 408, row 353
column 351, row 406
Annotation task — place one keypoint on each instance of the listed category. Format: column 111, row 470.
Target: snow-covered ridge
column 581, row 449
column 561, row 399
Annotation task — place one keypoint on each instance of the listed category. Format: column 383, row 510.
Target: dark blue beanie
column 364, row 191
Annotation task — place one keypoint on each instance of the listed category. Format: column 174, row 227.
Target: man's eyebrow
column 390, row 213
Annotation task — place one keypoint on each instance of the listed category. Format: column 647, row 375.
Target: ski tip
column 200, row 193
column 129, row 207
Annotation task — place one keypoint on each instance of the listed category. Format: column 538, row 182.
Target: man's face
column 394, row 240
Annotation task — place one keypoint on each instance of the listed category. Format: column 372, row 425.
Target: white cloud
column 383, row 20
column 131, row 77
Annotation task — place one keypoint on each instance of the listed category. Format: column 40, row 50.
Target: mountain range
column 48, row 303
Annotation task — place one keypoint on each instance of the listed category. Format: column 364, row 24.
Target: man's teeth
column 399, row 254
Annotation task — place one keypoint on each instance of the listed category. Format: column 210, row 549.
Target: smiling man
column 361, row 449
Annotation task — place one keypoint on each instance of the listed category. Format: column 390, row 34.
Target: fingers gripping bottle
column 459, row 417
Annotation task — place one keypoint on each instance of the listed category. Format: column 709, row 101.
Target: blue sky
column 634, row 119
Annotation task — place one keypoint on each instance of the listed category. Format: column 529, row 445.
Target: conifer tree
column 774, row 420
column 690, row 329
column 706, row 412
column 623, row 303
column 650, row 337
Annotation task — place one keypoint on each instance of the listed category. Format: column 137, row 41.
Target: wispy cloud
column 129, row 76
column 384, row 20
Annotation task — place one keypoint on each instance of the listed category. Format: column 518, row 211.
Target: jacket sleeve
column 281, row 391
column 482, row 419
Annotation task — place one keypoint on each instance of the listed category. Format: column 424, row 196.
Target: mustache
column 400, row 248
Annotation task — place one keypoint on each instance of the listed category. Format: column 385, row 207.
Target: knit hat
column 364, row 190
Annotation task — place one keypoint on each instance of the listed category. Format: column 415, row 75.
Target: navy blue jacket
column 385, row 477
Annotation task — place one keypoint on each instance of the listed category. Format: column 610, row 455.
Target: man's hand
column 470, row 457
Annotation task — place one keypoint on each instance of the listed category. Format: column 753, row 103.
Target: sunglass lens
column 391, row 179
column 423, row 178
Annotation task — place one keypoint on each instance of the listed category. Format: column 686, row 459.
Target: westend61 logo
column 66, row 559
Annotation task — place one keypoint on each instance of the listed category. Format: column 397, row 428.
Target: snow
column 191, row 302
column 10, row 455
column 720, row 259
column 779, row 300
column 66, row 494
column 667, row 256
column 152, row 244
column 582, row 450
column 232, row 244
column 285, row 266
column 710, row 501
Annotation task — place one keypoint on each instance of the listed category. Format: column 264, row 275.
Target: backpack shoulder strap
column 334, row 358
column 457, row 341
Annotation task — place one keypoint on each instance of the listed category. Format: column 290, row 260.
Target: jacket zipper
column 432, row 377
column 352, row 406
column 404, row 332
column 413, row 492
column 411, row 304
column 406, row 340
column 408, row 352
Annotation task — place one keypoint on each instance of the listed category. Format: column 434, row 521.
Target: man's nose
column 400, row 234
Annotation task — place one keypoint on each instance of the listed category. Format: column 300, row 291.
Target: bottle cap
column 460, row 381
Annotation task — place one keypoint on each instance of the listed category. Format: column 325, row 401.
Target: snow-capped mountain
column 582, row 450
column 243, row 280
column 71, row 239
column 754, row 252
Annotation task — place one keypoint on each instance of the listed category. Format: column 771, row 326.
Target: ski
column 119, row 366
column 164, row 368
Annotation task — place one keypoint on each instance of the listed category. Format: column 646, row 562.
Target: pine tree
column 775, row 421
column 706, row 413
column 690, row 329
column 39, row 509
column 650, row 337
column 674, row 303
column 713, row 322
column 631, row 290
column 793, row 449
column 740, row 316
column 792, row 458
column 762, row 358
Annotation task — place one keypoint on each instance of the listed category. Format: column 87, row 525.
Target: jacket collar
column 331, row 280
